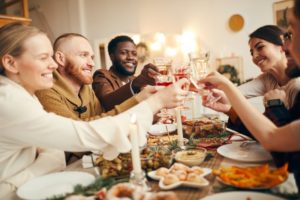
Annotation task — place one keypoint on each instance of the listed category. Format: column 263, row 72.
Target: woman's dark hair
column 112, row 45
column 270, row 33
column 297, row 9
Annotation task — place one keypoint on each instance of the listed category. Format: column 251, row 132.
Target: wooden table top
column 214, row 161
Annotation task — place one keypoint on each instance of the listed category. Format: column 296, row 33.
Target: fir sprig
column 94, row 187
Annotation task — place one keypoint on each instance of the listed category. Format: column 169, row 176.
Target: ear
column 282, row 48
column 60, row 58
column 112, row 57
column 10, row 64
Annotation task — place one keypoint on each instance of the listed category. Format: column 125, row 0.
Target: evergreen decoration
column 230, row 72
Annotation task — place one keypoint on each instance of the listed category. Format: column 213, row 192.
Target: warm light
column 171, row 52
column 136, row 38
column 188, row 42
column 155, row 46
column 160, row 37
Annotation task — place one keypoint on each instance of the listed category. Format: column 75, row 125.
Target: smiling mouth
column 131, row 65
column 48, row 75
column 260, row 62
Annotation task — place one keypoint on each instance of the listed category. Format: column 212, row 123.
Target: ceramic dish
column 162, row 129
column 245, row 151
column 259, row 177
column 59, row 183
column 238, row 195
column 191, row 157
column 201, row 184
column 202, row 181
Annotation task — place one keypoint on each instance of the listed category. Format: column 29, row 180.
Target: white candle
column 193, row 106
column 135, row 152
column 179, row 127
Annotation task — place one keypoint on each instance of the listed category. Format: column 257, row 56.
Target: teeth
column 260, row 62
column 130, row 64
column 50, row 75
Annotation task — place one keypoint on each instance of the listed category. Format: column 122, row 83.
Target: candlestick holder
column 140, row 180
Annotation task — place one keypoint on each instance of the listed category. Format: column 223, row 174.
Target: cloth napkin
column 88, row 161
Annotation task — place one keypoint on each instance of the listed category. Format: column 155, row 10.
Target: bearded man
column 118, row 83
column 71, row 95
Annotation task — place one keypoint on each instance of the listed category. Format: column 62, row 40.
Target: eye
column 134, row 53
column 260, row 47
column 287, row 36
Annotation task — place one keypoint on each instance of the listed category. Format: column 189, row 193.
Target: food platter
column 257, row 178
column 183, row 178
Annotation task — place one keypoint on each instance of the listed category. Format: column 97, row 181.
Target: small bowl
column 191, row 157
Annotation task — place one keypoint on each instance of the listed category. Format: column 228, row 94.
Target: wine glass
column 164, row 67
column 179, row 72
column 199, row 70
column 164, row 78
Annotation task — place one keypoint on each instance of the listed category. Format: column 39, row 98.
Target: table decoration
column 137, row 176
column 179, row 127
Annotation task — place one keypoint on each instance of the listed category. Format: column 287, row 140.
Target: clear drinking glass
column 164, row 67
column 164, row 78
column 179, row 72
column 199, row 70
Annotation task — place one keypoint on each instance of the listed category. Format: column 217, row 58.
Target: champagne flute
column 182, row 72
column 200, row 69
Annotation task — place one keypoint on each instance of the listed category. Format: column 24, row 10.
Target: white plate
column 205, row 183
column 253, row 152
column 53, row 184
column 242, row 195
column 153, row 175
column 161, row 129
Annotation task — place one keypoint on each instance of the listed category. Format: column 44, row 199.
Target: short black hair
column 296, row 9
column 270, row 33
column 112, row 45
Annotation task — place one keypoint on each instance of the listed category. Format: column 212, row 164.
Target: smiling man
column 71, row 95
column 118, row 83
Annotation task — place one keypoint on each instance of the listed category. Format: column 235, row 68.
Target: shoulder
column 48, row 93
column 102, row 73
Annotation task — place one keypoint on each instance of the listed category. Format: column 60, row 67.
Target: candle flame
column 133, row 118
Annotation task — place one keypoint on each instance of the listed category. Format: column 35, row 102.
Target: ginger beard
column 82, row 75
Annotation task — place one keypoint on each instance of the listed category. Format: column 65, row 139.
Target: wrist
column 273, row 103
column 135, row 85
column 155, row 103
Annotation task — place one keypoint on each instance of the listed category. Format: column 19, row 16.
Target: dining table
column 213, row 161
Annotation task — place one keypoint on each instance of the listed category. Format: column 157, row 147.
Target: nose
column 53, row 64
column 254, row 55
column 91, row 62
column 286, row 45
column 131, row 56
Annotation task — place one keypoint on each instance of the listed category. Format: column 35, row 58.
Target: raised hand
column 147, row 77
column 215, row 80
column 221, row 105
column 169, row 97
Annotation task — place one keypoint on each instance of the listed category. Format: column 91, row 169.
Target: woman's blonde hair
column 12, row 38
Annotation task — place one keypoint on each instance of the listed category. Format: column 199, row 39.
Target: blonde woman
column 29, row 135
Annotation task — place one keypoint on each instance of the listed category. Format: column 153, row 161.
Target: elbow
column 269, row 141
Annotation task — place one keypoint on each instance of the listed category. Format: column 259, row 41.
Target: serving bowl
column 191, row 157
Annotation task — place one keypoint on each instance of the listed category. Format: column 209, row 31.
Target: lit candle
column 135, row 152
column 179, row 127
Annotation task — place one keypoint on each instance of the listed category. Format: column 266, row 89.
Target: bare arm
column 270, row 136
